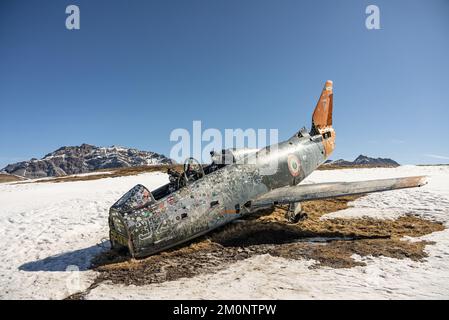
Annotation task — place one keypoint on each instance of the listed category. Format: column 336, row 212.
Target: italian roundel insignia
column 293, row 165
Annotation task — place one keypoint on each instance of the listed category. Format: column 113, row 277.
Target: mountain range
column 363, row 160
column 83, row 159
column 87, row 158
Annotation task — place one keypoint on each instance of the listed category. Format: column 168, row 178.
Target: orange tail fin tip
column 322, row 116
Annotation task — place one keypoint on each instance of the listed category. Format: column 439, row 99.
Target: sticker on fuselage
column 293, row 165
column 171, row 200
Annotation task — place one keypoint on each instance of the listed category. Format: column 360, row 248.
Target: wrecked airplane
column 235, row 184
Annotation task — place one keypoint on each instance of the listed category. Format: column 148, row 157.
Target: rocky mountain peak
column 363, row 160
column 85, row 158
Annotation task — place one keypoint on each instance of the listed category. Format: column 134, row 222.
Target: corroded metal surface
column 322, row 118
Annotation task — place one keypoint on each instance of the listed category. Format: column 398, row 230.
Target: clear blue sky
column 136, row 70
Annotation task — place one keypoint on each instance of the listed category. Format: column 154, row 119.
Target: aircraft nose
column 135, row 198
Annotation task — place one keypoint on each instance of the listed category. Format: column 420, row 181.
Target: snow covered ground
column 47, row 230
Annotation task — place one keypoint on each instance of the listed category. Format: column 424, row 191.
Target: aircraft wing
column 305, row 192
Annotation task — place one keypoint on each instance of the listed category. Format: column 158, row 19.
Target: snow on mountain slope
column 363, row 160
column 83, row 159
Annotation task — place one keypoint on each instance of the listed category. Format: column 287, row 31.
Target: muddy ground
column 330, row 242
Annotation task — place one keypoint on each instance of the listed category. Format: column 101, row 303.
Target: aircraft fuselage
column 217, row 198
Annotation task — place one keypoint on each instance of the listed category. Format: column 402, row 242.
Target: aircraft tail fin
column 322, row 116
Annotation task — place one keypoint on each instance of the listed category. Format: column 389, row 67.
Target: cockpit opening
column 193, row 170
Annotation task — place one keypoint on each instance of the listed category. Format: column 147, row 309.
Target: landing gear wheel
column 295, row 218
column 294, row 213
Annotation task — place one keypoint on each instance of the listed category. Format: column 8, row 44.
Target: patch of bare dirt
column 4, row 177
column 330, row 242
